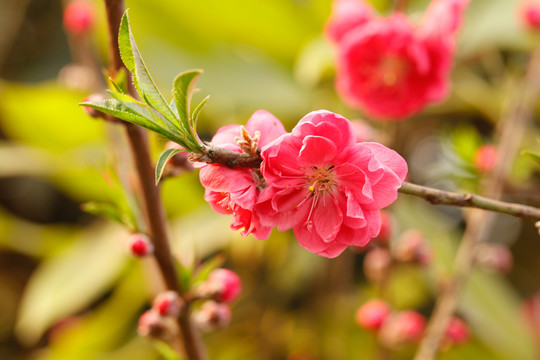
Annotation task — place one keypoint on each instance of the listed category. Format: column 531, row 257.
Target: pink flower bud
column 495, row 257
column 140, row 245
column 457, row 331
column 212, row 316
column 372, row 314
column 152, row 324
column 406, row 327
column 530, row 14
column 223, row 285
column 377, row 264
column 167, row 304
column 411, row 247
column 485, row 158
column 78, row 17
column 93, row 112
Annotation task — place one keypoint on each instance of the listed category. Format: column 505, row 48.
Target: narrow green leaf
column 108, row 211
column 163, row 159
column 534, row 156
column 166, row 351
column 197, row 111
column 201, row 274
column 141, row 77
column 183, row 88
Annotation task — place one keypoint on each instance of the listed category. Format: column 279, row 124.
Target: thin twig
column 153, row 206
column 441, row 197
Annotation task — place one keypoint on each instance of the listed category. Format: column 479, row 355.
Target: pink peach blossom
column 346, row 15
column 389, row 67
column 530, row 14
column 327, row 187
column 235, row 191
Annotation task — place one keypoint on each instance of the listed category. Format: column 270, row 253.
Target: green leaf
column 183, row 89
column 534, row 156
column 197, row 111
column 206, row 268
column 71, row 280
column 108, row 211
column 142, row 80
column 163, row 159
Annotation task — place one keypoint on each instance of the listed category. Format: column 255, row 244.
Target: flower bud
column 372, row 314
column 212, row 316
column 222, row 285
column 457, row 331
column 411, row 247
column 530, row 14
column 485, row 158
column 167, row 303
column 93, row 112
column 377, row 264
column 404, row 328
column 153, row 325
column 140, row 245
column 495, row 257
column 78, row 17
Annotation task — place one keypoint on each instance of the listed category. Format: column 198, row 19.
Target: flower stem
column 152, row 203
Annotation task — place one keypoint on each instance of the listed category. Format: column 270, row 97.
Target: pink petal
column 218, row 177
column 316, row 151
column 327, row 218
column 226, row 134
column 347, row 15
column 267, row 124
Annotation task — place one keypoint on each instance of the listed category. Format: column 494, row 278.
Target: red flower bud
column 495, row 257
column 406, row 327
column 372, row 314
column 212, row 316
column 167, row 304
column 457, row 331
column 377, row 264
column 485, row 158
column 140, row 245
column 153, row 325
column 411, row 247
column 78, row 17
column 530, row 14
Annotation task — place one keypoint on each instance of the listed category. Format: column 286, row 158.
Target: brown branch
column 212, row 154
column 441, row 197
column 153, row 206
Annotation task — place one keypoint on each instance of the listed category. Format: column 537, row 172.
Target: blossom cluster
column 389, row 67
column 316, row 180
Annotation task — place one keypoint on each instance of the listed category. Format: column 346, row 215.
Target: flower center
column 392, row 69
column 320, row 179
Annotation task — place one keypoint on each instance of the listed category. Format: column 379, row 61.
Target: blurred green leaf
column 166, row 351
column 534, row 156
column 108, row 211
column 202, row 271
column 163, row 159
column 71, row 280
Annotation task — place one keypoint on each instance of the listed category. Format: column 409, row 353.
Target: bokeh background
column 70, row 290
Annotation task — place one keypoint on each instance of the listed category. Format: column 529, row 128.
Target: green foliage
column 163, row 159
column 153, row 113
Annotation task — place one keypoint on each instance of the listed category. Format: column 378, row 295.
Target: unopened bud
column 377, row 264
column 222, row 285
column 411, row 247
column 78, row 17
column 404, row 328
column 140, row 245
column 485, row 158
column 154, row 325
column 90, row 111
column 212, row 316
column 530, row 14
column 495, row 257
column 167, row 303
column 372, row 314
column 457, row 331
